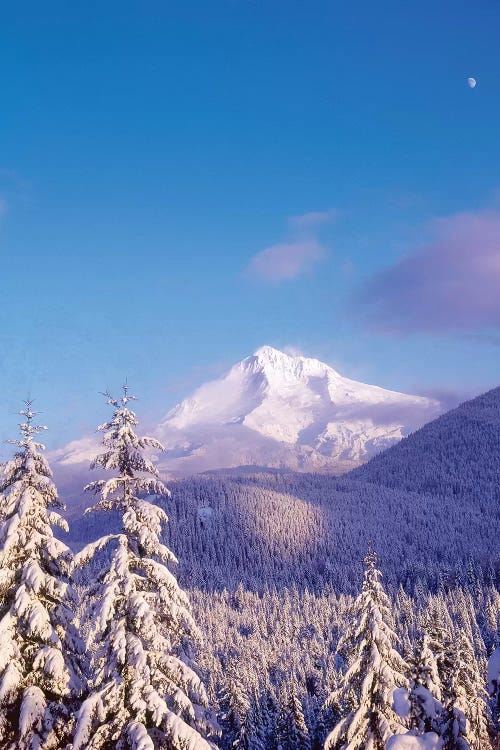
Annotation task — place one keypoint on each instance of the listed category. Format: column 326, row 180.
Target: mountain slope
column 456, row 454
column 274, row 409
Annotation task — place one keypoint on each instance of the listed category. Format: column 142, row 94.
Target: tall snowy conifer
column 452, row 726
column 375, row 670
column 473, row 698
column 146, row 692
column 425, row 688
column 294, row 734
column 40, row 648
column 235, row 708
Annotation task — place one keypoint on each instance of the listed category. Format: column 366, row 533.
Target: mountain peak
column 276, row 363
column 287, row 410
column 268, row 352
column 283, row 411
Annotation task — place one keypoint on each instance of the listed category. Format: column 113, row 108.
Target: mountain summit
column 288, row 411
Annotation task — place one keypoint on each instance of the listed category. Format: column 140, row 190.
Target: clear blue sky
column 150, row 151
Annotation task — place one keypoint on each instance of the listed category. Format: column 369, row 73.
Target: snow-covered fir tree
column 293, row 733
column 452, row 723
column 473, row 697
column 40, row 647
column 146, row 692
column 375, row 670
column 256, row 723
column 235, row 709
column 425, row 688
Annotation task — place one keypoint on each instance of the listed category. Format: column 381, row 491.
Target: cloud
column 447, row 397
column 293, row 351
column 483, row 338
column 451, row 283
column 288, row 260
column 312, row 220
column 285, row 262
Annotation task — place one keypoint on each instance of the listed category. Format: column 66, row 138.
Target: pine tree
column 256, row 725
column 293, row 730
column 234, row 709
column 452, row 724
column 472, row 697
column 146, row 691
column 40, row 648
column 375, row 670
column 425, row 688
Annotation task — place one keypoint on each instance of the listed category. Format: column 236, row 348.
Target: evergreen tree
column 375, row 670
column 256, row 734
column 452, row 724
column 472, row 697
column 234, row 709
column 146, row 692
column 425, row 688
column 40, row 649
column 293, row 730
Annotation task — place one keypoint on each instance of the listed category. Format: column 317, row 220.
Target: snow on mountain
column 275, row 409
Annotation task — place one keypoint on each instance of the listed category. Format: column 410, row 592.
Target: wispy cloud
column 294, row 351
column 483, row 338
column 288, row 260
column 285, row 262
column 451, row 283
column 312, row 220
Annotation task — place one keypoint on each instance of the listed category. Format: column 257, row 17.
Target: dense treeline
column 281, row 530
column 279, row 639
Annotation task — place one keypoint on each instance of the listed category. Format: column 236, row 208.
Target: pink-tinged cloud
column 451, row 283
column 312, row 220
column 285, row 262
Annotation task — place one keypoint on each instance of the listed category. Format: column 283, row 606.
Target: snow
column 32, row 710
column 409, row 741
column 494, row 671
column 401, row 702
column 205, row 512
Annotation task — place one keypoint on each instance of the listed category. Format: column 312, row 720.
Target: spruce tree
column 452, row 723
column 425, row 688
column 40, row 648
column 234, row 708
column 294, row 734
column 472, row 698
column 375, row 670
column 146, row 692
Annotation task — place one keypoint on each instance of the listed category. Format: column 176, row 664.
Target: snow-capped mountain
column 275, row 409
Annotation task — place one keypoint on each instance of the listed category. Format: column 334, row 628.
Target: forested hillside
column 456, row 455
column 277, row 530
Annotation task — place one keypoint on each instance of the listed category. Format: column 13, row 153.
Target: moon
column 472, row 83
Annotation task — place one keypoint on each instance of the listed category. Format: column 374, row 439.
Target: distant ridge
column 457, row 453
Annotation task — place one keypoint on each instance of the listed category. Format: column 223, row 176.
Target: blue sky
column 154, row 156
